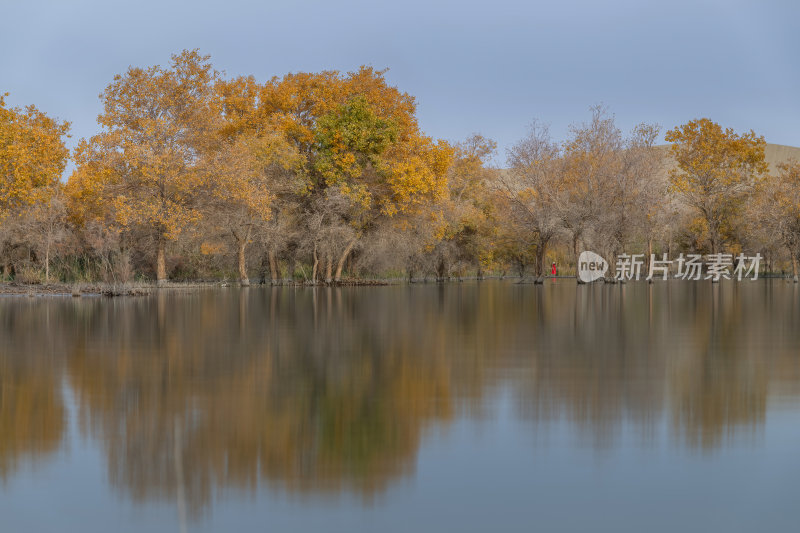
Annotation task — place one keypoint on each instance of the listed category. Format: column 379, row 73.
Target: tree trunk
column 47, row 262
column 262, row 269
column 713, row 234
column 243, row 279
column 161, row 263
column 273, row 267
column 575, row 237
column 328, row 268
column 315, row 267
column 794, row 267
column 343, row 258
column 539, row 266
column 521, row 268
column 292, row 266
column 440, row 270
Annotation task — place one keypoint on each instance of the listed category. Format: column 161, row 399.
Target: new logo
column 591, row 267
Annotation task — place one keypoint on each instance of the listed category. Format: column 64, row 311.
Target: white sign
column 591, row 267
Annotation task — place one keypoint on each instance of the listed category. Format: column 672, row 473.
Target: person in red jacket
column 553, row 269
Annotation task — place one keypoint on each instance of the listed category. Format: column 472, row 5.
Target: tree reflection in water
column 32, row 413
column 318, row 391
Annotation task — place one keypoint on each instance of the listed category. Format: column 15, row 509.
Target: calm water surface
column 465, row 407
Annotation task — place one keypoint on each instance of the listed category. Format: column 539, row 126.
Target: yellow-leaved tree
column 33, row 156
column 145, row 165
column 465, row 220
column 716, row 170
column 363, row 161
column 242, row 174
column 383, row 168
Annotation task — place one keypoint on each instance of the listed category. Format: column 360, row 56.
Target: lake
column 475, row 406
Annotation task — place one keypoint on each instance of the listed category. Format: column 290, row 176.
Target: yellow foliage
column 142, row 170
column 32, row 155
column 716, row 169
column 212, row 248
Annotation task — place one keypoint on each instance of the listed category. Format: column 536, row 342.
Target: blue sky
column 488, row 67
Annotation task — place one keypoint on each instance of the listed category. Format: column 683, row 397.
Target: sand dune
column 774, row 154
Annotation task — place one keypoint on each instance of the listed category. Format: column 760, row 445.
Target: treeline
column 317, row 176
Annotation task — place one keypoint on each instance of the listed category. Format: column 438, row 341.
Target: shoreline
column 13, row 288
column 77, row 290
column 88, row 289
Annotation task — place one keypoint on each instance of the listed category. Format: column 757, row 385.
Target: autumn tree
column 609, row 183
column 716, row 170
column 275, row 156
column 465, row 219
column 532, row 188
column 361, row 143
column 33, row 156
column 307, row 215
column 634, row 194
column 776, row 205
column 591, row 157
column 146, row 162
column 46, row 222
column 242, row 174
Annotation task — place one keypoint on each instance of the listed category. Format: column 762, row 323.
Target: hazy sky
column 487, row 67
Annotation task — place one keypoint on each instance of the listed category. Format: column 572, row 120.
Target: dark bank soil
column 13, row 288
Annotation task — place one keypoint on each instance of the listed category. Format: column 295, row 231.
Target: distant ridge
column 773, row 153
column 779, row 153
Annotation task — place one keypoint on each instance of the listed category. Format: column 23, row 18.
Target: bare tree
column 776, row 205
column 531, row 188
